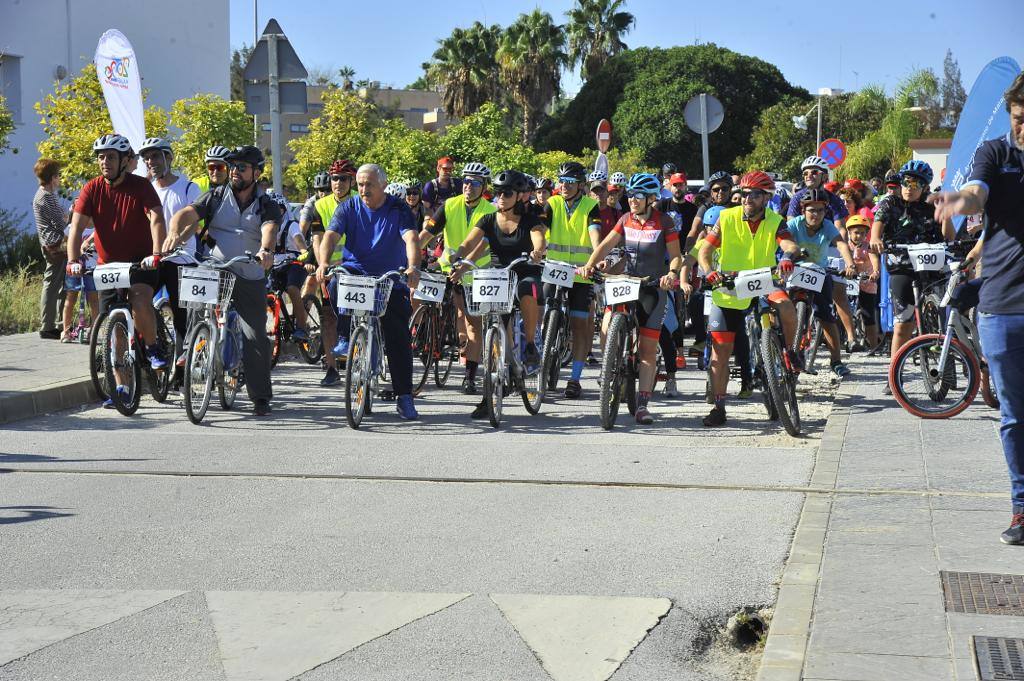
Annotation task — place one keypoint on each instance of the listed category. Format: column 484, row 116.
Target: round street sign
column 833, row 151
column 716, row 113
column 604, row 135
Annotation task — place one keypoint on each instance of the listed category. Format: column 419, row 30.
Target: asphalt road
column 294, row 547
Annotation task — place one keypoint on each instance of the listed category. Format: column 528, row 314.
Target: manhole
column 999, row 659
column 983, row 593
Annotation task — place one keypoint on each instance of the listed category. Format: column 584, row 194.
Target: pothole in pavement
column 730, row 647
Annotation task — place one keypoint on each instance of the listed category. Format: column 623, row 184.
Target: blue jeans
column 1002, row 340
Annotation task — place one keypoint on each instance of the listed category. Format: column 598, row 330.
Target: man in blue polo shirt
column 380, row 235
column 996, row 186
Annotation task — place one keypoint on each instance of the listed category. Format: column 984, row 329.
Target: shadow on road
column 29, row 514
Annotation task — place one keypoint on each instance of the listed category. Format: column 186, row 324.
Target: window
column 10, row 84
column 266, row 127
column 298, row 127
column 416, row 109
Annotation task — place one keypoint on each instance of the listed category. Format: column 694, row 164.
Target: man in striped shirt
column 51, row 218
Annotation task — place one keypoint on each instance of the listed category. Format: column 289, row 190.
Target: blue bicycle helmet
column 711, row 215
column 643, row 183
column 918, row 169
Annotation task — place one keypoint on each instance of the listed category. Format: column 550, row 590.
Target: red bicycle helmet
column 757, row 179
column 343, row 167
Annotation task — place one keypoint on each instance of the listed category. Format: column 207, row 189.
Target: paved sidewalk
column 903, row 501
column 40, row 376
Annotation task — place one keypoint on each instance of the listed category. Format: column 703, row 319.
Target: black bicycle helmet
column 814, row 196
column 247, row 154
column 511, row 179
column 574, row 170
column 668, row 169
column 720, row 176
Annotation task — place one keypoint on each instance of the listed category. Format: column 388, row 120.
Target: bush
column 18, row 248
column 19, row 300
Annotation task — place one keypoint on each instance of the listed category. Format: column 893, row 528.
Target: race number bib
column 199, row 285
column 431, row 288
column 927, row 257
column 490, row 286
column 852, row 288
column 356, row 293
column 807, row 278
column 621, row 291
column 112, row 275
column 558, row 273
column 753, row 283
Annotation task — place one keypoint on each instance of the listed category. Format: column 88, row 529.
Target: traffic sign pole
column 275, row 112
column 704, row 135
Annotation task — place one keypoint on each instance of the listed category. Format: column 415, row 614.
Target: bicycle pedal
column 386, row 395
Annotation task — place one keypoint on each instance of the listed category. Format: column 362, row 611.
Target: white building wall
column 936, row 158
column 182, row 47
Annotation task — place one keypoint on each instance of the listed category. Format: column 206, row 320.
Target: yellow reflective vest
column 569, row 238
column 325, row 208
column 740, row 250
column 456, row 227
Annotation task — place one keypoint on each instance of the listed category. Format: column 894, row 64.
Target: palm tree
column 464, row 67
column 531, row 57
column 346, row 73
column 595, row 31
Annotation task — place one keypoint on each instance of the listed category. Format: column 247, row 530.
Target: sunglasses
column 814, row 209
column 217, row 166
column 636, row 196
column 412, row 192
column 472, row 183
column 600, row 189
column 339, row 178
column 568, row 180
column 753, row 194
column 719, row 189
column 911, row 183
column 240, row 167
column 812, row 171
column 506, row 193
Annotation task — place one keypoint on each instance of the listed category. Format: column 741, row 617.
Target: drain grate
column 999, row 659
column 983, row 593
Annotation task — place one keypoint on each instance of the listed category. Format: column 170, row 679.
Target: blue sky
column 389, row 41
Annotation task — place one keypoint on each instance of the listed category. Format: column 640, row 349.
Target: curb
column 786, row 646
column 54, row 397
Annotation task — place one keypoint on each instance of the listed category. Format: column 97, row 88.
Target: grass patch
column 19, row 300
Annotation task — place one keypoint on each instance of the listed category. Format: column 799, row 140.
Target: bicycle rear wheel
column 274, row 330
column 118, row 359
column 97, row 347
column 630, row 375
column 198, row 384
column 781, row 383
column 312, row 350
column 424, row 344
column 494, row 375
column 988, row 389
column 228, row 381
column 534, row 380
column 448, row 346
column 358, row 379
column 926, row 390
column 160, row 380
column 612, row 370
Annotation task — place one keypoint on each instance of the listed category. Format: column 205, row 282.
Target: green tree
column 344, row 129
column 6, row 125
column 206, row 120
column 420, row 83
column 595, row 29
column 346, row 73
column 531, row 56
column 485, row 137
column 73, row 116
column 953, row 95
column 464, row 68
column 404, row 153
column 644, row 91
column 239, row 58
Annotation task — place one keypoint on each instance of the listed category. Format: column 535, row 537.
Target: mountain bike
column 281, row 321
column 620, row 366
column 936, row 376
column 117, row 350
column 556, row 331
column 492, row 297
column 365, row 299
column 435, row 341
column 214, row 338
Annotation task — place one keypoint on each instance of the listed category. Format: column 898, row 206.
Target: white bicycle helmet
column 396, row 189
column 155, row 143
column 619, row 179
column 217, row 153
column 597, row 176
column 815, row 162
column 116, row 142
column 476, row 169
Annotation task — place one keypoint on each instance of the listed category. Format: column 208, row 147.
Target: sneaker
column 670, row 388
column 857, row 347
column 696, row 350
column 573, row 390
column 405, row 408
column 468, row 386
column 680, row 361
column 332, row 377
column 715, row 418
column 341, row 348
column 300, row 335
column 157, row 360
column 643, row 415
column 746, row 388
column 480, row 411
column 531, row 355
column 840, row 369
column 1014, row 535
column 591, row 360
column 887, row 389
column 122, row 392
column 108, row 403
column 261, row 408
column 49, row 334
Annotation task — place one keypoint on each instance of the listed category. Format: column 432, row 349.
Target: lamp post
column 801, row 121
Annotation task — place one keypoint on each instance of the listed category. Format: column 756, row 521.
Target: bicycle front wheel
column 780, row 382
column 358, row 378
column 198, row 384
column 494, row 375
column 122, row 369
column 612, row 370
column 930, row 391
